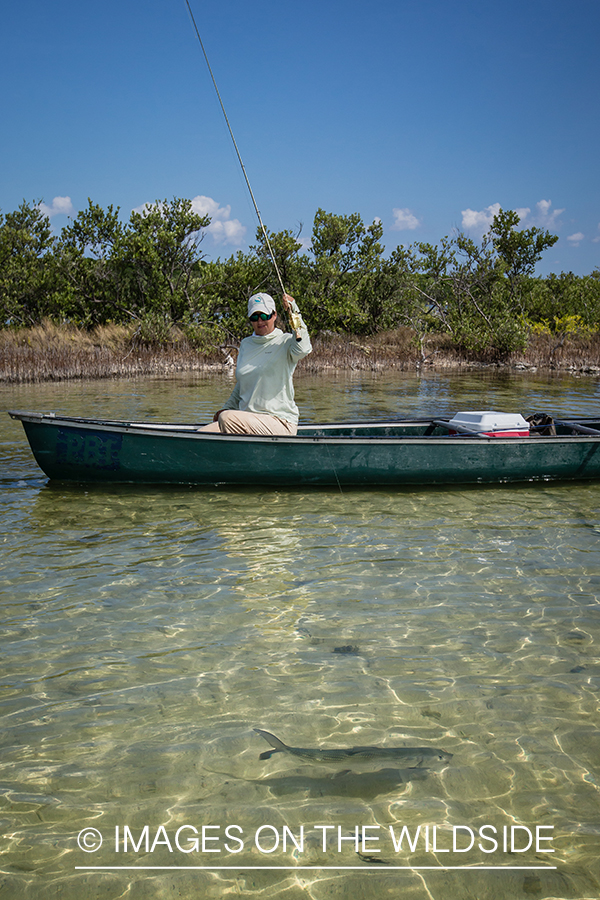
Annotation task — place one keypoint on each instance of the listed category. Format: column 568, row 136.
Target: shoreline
column 63, row 353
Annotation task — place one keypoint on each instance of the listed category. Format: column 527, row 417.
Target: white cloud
column 61, row 206
column 222, row 229
column 404, row 220
column 522, row 212
column 479, row 221
column 544, row 217
column 575, row 239
column 596, row 240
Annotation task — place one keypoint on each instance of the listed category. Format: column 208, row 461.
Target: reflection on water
column 147, row 631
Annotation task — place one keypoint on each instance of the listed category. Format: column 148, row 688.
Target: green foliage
column 285, row 248
column 158, row 256
column 25, row 266
column 519, row 251
column 551, row 298
column 150, row 269
column 347, row 257
column 482, row 312
column 203, row 338
column 562, row 326
column 91, row 281
column 225, row 287
column 476, row 290
column 154, row 330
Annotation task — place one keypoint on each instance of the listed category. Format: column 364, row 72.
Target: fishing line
column 331, row 460
column 238, row 154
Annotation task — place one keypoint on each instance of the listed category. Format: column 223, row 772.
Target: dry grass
column 50, row 352
column 579, row 353
column 393, row 349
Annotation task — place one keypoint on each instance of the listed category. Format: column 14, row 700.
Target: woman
column 262, row 401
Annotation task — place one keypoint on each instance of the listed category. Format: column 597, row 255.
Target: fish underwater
column 410, row 757
column 366, row 785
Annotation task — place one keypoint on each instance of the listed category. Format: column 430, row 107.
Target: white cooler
column 492, row 424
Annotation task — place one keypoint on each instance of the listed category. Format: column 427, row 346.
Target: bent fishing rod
column 293, row 318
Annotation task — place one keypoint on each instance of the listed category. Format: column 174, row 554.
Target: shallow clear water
column 147, row 631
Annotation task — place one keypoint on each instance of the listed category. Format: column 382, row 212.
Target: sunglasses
column 264, row 317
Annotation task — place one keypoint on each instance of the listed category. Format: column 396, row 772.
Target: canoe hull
column 68, row 449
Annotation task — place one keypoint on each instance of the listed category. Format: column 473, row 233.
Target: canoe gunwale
column 183, row 431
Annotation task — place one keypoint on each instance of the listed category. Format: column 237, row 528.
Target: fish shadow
column 366, row 785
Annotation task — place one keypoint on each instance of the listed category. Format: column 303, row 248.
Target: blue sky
column 426, row 114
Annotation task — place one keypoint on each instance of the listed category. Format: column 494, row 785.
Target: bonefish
column 411, row 757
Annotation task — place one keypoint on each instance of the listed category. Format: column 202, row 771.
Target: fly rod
column 293, row 318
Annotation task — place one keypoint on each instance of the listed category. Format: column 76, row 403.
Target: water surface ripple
column 147, row 631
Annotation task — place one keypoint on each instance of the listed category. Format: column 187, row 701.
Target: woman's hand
column 287, row 301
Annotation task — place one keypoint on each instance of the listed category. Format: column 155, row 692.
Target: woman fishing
column 262, row 401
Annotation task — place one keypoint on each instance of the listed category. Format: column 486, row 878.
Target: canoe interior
column 417, row 427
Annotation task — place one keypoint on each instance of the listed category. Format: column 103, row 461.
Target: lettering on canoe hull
column 92, row 449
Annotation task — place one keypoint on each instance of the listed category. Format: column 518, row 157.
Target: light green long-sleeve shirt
column 264, row 371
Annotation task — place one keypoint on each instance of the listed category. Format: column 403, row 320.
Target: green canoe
column 414, row 451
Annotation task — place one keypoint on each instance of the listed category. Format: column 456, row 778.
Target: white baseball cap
column 261, row 303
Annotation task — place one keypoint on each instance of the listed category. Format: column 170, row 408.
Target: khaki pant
column 238, row 421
